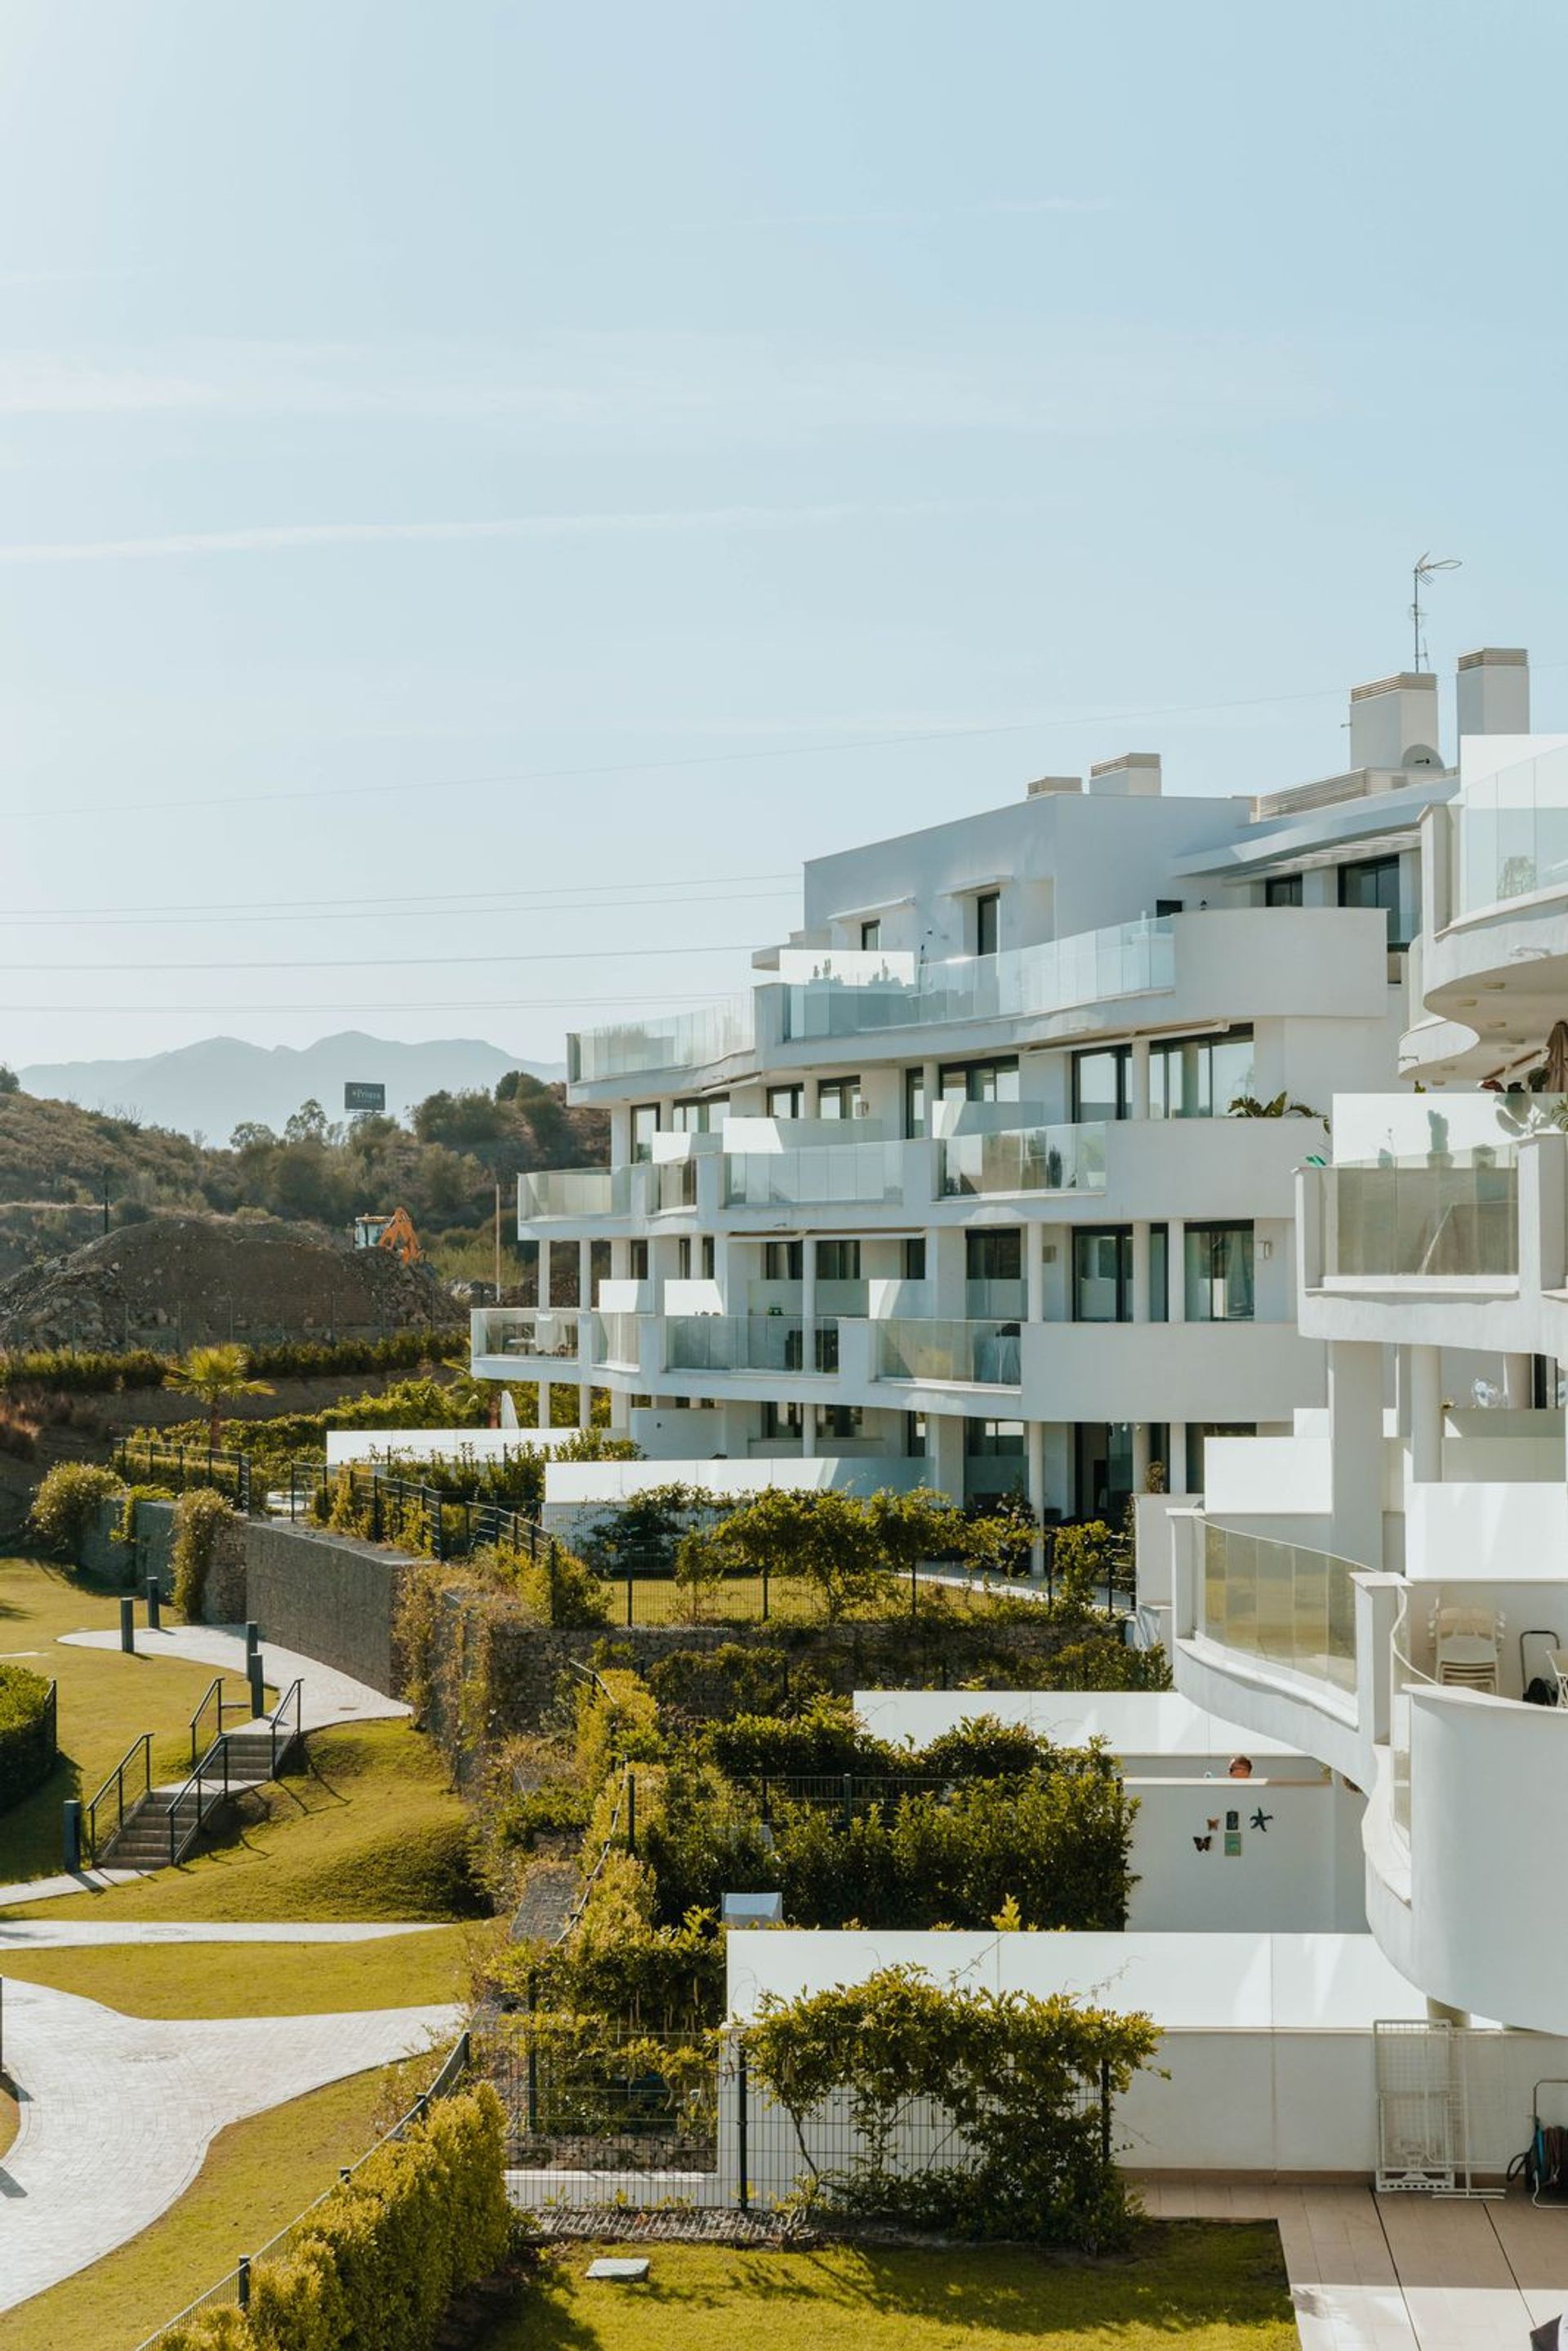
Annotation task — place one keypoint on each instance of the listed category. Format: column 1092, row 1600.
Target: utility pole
column 498, row 1243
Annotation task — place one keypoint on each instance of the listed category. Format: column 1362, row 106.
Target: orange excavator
column 394, row 1232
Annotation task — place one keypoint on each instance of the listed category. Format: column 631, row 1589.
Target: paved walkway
column 1407, row 2273
column 65, row 1881
column 325, row 1697
column 83, row 1933
column 118, row 2111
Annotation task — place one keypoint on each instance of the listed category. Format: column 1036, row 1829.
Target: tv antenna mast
column 1421, row 572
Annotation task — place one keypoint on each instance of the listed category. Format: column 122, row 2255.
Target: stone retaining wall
column 329, row 1597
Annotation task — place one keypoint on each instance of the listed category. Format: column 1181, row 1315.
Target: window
column 870, row 937
column 913, row 1435
column 1163, row 906
column 993, row 1440
column 987, row 921
column 914, row 1258
column 1103, row 1466
column 1282, row 890
column 1198, row 1435
column 708, row 1256
column 838, row 1260
column 839, row 1420
column 979, row 1081
column 1159, row 1274
column 703, row 1115
column 639, row 1262
column 995, row 1256
column 1374, row 883
column 1101, row 1084
column 781, row 1260
column 786, row 1102
column 644, row 1127
column 839, row 1098
column 915, row 1102
column 1103, row 1275
column 1219, row 1273
column 1199, row 1077
column 782, row 1420
column 684, row 1258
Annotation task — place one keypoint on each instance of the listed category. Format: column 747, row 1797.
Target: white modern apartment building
column 1382, row 1585
column 952, row 1194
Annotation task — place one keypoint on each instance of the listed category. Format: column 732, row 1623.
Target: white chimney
column 1134, row 776
column 1044, row 784
column 1493, row 691
column 1394, row 722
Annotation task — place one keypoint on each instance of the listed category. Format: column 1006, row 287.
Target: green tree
column 215, row 1376
column 308, row 1123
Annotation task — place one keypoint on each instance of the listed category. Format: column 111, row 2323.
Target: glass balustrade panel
column 1282, row 1603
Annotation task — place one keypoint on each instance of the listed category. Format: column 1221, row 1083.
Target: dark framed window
column 786, row 1102
column 1219, row 1273
column 979, row 1081
column 839, row 1420
column 870, row 937
column 838, row 1260
column 708, row 1256
column 1282, row 890
column 993, row 1440
column 638, row 1254
column 915, row 1102
column 1101, row 1082
column 913, row 1435
column 914, row 1258
column 994, row 1256
column 781, row 1260
column 684, row 1258
column 644, row 1127
column 1103, row 1274
column 1102, row 1469
column 700, row 1115
column 1375, row 882
column 1199, row 1077
column 782, row 1420
column 839, row 1098
column 1159, row 1273
column 1166, row 906
column 987, row 921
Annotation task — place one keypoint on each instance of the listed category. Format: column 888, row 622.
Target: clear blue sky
column 450, row 397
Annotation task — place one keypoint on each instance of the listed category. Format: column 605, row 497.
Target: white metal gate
column 1454, row 2104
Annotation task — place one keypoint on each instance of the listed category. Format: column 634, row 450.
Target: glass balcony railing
column 675, row 1185
column 1513, row 832
column 544, row 1192
column 1024, row 1159
column 616, row 1339
column 984, row 1354
column 1446, row 1217
column 680, row 1040
column 545, row 1332
column 827, row 1175
column 1281, row 1603
column 1129, row 959
column 750, row 1342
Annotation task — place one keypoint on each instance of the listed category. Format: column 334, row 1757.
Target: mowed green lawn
column 1216, row 2286
column 106, row 1700
column 368, row 1829
column 169, row 1980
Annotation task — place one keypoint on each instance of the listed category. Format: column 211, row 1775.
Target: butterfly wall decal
column 1203, row 1843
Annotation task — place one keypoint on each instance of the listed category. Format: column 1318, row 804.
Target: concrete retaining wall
column 126, row 1564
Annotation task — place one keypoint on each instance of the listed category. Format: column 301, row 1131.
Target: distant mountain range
column 209, row 1088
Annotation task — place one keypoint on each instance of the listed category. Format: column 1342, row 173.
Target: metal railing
column 233, row 2288
column 217, row 1705
column 286, row 1722
column 156, row 1461
column 133, row 1772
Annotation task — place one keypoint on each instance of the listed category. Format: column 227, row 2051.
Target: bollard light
column 70, row 1835
column 154, row 1620
column 128, row 1625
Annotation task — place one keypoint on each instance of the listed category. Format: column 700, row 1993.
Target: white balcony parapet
column 1126, row 959
column 984, row 1355
column 550, row 1191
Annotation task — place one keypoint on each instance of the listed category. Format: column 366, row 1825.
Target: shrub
column 18, row 1430
column 134, row 1496
column 734, row 1678
column 617, row 1722
column 825, row 1737
column 67, row 1502
column 200, row 1516
column 555, row 1587
column 27, row 1733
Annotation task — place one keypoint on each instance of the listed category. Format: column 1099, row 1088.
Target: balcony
column 984, row 1355
column 674, row 1186
column 828, row 1175
column 518, row 1334
column 544, row 1194
column 1280, row 1604
column 829, row 995
column 1023, row 1159
column 681, row 1040
column 1513, row 832
column 1452, row 1216
column 750, row 1342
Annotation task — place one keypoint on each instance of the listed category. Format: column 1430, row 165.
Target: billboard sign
column 359, row 1095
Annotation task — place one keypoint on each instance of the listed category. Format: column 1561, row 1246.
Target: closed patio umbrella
column 1557, row 1059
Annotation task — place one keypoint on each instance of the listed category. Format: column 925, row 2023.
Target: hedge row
column 374, row 2265
column 84, row 1373
column 27, row 1733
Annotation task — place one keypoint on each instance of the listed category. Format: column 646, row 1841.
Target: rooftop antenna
column 1421, row 572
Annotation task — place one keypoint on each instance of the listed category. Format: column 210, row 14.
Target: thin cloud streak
column 287, row 538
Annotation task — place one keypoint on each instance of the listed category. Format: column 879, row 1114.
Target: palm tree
column 215, row 1375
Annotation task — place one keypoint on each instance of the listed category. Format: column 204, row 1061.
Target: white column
column 809, row 1302
column 620, row 1412
column 1140, row 1456
column 808, row 1431
column 1175, row 1273
column 1176, row 1480
column 1034, row 1450
column 945, row 1443
column 1518, row 1382
column 928, row 1080
column 543, row 1407
column 1141, row 1300
column 585, row 1274
column 1356, row 1438
column 543, row 1299
column 1138, row 1073
column 1426, row 1367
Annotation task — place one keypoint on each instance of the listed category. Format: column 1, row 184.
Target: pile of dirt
column 183, row 1280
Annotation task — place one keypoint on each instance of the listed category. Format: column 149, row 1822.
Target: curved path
column 326, row 1695
column 118, row 2111
column 92, row 1934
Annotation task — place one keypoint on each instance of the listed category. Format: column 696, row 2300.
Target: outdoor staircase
column 149, row 1827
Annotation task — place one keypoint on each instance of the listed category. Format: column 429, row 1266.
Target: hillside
column 210, row 1088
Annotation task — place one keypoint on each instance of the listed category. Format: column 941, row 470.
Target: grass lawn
column 257, row 1979
column 791, row 1600
column 367, row 1830
column 257, row 2177
column 106, row 1700
column 1219, row 2287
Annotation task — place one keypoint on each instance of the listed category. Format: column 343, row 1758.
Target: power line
column 359, row 911
column 384, row 1005
column 372, row 962
column 412, row 898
